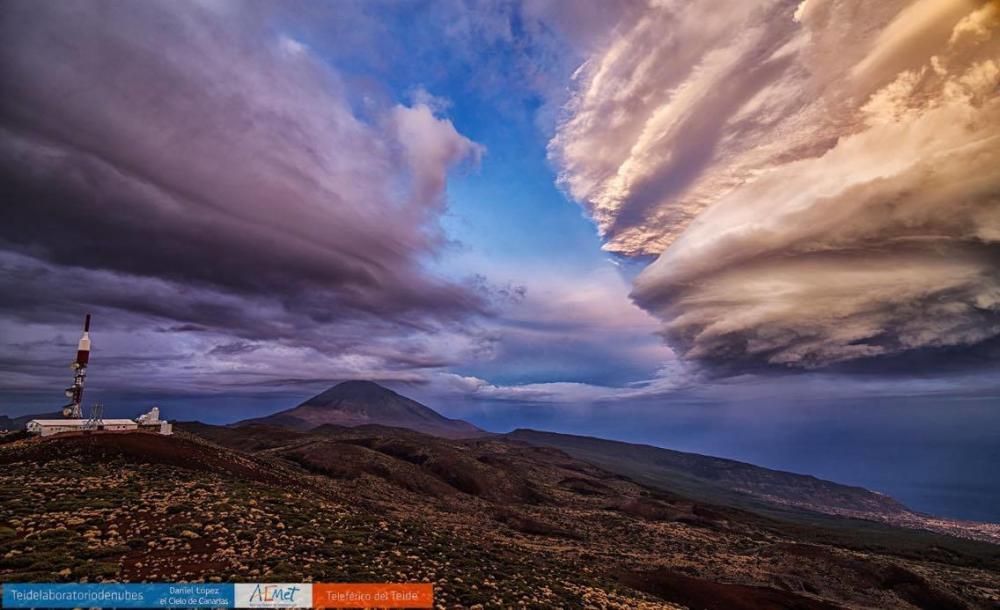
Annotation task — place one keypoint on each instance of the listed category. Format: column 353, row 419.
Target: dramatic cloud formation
column 818, row 178
column 263, row 196
column 189, row 164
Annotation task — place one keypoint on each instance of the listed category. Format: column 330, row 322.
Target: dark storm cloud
column 204, row 183
column 237, row 337
column 194, row 145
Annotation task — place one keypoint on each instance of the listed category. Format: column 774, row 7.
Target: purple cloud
column 190, row 166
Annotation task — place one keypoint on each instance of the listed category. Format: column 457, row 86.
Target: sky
column 767, row 230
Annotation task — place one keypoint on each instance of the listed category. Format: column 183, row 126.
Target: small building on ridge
column 48, row 427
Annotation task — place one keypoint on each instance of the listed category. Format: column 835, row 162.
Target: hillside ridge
column 770, row 492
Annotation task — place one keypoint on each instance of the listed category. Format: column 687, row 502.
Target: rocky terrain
column 493, row 522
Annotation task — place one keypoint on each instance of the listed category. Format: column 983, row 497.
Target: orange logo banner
column 373, row 595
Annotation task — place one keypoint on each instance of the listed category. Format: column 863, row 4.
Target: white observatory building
column 148, row 422
column 48, row 427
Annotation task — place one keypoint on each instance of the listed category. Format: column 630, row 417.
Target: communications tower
column 74, row 410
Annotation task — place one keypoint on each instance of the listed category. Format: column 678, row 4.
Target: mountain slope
column 711, row 478
column 358, row 403
column 773, row 493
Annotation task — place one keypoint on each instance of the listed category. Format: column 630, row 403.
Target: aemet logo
column 273, row 595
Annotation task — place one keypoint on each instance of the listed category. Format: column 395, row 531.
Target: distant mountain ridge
column 708, row 477
column 774, row 493
column 17, row 423
column 358, row 403
column 366, row 407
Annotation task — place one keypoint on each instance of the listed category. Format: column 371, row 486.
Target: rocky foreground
column 493, row 523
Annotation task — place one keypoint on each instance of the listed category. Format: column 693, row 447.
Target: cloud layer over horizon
column 817, row 178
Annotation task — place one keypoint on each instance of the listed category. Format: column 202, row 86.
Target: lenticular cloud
column 816, row 193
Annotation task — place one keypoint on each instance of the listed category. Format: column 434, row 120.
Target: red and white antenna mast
column 75, row 392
